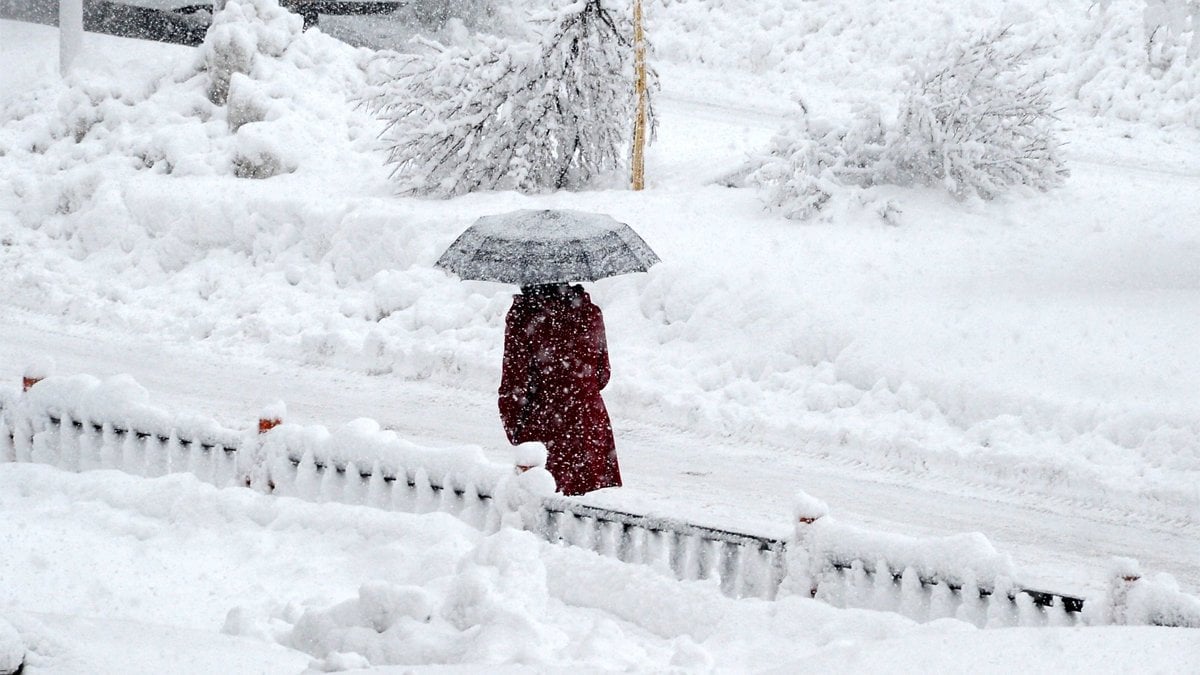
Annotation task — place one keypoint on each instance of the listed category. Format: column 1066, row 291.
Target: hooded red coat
column 555, row 364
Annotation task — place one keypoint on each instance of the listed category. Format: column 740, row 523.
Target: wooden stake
column 639, row 124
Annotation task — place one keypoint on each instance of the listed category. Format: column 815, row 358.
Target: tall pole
column 639, row 124
column 70, row 33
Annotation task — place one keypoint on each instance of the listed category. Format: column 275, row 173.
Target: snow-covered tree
column 976, row 121
column 503, row 116
column 979, row 121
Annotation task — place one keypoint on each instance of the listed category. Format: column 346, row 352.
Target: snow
column 1025, row 367
column 12, row 648
column 530, row 454
column 225, row 578
column 276, row 412
column 39, row 368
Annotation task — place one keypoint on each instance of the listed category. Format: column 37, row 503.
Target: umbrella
column 531, row 247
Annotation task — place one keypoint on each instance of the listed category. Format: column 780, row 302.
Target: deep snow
column 1031, row 361
column 106, row 572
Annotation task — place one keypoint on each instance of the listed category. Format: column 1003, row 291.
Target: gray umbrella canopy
column 541, row 247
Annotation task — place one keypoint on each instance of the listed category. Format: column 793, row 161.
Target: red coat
column 555, row 364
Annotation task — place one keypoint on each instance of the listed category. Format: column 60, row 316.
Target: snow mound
column 12, row 648
column 258, row 99
column 491, row 611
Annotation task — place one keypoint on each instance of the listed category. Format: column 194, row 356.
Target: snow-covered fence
column 960, row 576
column 745, row 565
column 924, row 579
column 362, row 464
column 80, row 423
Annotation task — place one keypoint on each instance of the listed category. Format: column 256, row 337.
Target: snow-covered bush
column 976, row 121
column 979, row 122
column 807, row 163
column 1165, row 22
column 510, row 116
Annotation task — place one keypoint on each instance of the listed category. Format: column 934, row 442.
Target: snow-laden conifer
column 498, row 116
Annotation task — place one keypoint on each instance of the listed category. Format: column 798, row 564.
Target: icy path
column 738, row 482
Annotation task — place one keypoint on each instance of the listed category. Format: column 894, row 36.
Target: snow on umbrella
column 531, row 247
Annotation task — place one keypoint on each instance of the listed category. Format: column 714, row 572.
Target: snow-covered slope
column 107, row 573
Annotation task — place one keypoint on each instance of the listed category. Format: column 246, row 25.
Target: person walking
column 555, row 365
column 555, row 349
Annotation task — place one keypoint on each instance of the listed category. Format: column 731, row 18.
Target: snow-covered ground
column 1026, row 368
column 108, row 573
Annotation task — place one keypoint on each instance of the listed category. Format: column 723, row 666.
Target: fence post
column 270, row 417
column 520, row 505
column 530, row 455
column 1124, row 573
column 37, row 371
column 259, row 470
column 806, row 563
column 70, row 33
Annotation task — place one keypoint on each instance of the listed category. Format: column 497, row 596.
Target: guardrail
column 80, row 424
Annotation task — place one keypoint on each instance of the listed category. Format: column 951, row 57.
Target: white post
column 1193, row 53
column 804, row 561
column 70, row 33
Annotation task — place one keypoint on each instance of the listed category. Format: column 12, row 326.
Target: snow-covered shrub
column 807, row 163
column 979, row 122
column 510, row 116
column 1165, row 22
column 976, row 120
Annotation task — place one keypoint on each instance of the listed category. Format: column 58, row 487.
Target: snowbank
column 12, row 648
column 343, row 587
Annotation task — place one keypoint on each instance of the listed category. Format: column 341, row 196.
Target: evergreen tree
column 502, row 116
